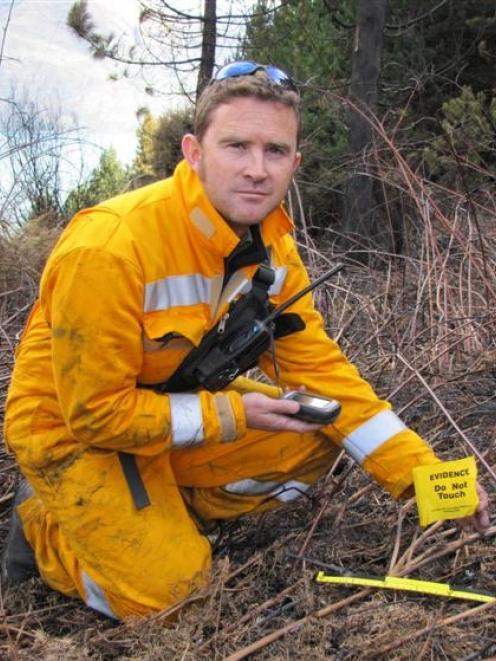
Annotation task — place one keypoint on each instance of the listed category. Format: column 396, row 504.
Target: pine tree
column 108, row 179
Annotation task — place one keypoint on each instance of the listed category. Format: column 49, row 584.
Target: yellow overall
column 132, row 285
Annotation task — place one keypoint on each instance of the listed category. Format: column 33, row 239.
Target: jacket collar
column 211, row 228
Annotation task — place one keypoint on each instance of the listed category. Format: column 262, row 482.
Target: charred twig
column 335, row 488
column 427, row 558
column 450, row 419
column 453, row 619
column 250, row 615
column 279, row 633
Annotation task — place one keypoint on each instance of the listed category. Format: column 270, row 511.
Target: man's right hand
column 271, row 414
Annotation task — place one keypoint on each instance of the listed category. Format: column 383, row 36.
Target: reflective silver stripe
column 177, row 290
column 368, row 437
column 187, row 420
column 237, row 284
column 284, row 492
column 280, row 272
column 291, row 491
column 250, row 487
column 202, row 222
column 247, row 287
column 226, row 418
column 95, row 597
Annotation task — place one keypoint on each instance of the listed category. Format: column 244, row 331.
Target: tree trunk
column 209, row 38
column 366, row 66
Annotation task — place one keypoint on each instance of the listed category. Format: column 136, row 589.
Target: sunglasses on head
column 247, row 68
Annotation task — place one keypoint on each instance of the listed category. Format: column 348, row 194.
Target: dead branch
column 450, row 419
column 466, row 615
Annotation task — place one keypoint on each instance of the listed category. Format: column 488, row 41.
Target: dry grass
column 421, row 328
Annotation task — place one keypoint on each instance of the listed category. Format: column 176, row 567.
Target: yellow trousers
column 90, row 539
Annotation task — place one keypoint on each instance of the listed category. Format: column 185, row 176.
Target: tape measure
column 410, row 584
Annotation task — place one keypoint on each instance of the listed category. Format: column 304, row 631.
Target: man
column 122, row 479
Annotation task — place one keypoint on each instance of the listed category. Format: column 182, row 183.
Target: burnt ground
column 263, row 601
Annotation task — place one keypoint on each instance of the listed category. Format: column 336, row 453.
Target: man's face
column 246, row 159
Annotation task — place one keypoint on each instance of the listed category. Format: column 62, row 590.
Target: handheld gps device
column 313, row 408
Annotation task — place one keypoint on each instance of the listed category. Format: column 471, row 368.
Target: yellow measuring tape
column 410, row 584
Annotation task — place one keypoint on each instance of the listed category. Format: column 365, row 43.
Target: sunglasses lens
column 247, row 68
column 280, row 77
column 277, row 75
column 235, row 69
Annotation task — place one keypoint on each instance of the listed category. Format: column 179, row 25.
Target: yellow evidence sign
column 446, row 490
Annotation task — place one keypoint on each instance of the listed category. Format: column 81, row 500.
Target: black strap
column 247, row 252
column 134, row 481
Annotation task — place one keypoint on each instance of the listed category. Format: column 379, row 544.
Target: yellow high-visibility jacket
column 131, row 286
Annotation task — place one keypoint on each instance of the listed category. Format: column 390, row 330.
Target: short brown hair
column 256, row 86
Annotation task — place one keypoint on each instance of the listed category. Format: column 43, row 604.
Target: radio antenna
column 284, row 306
